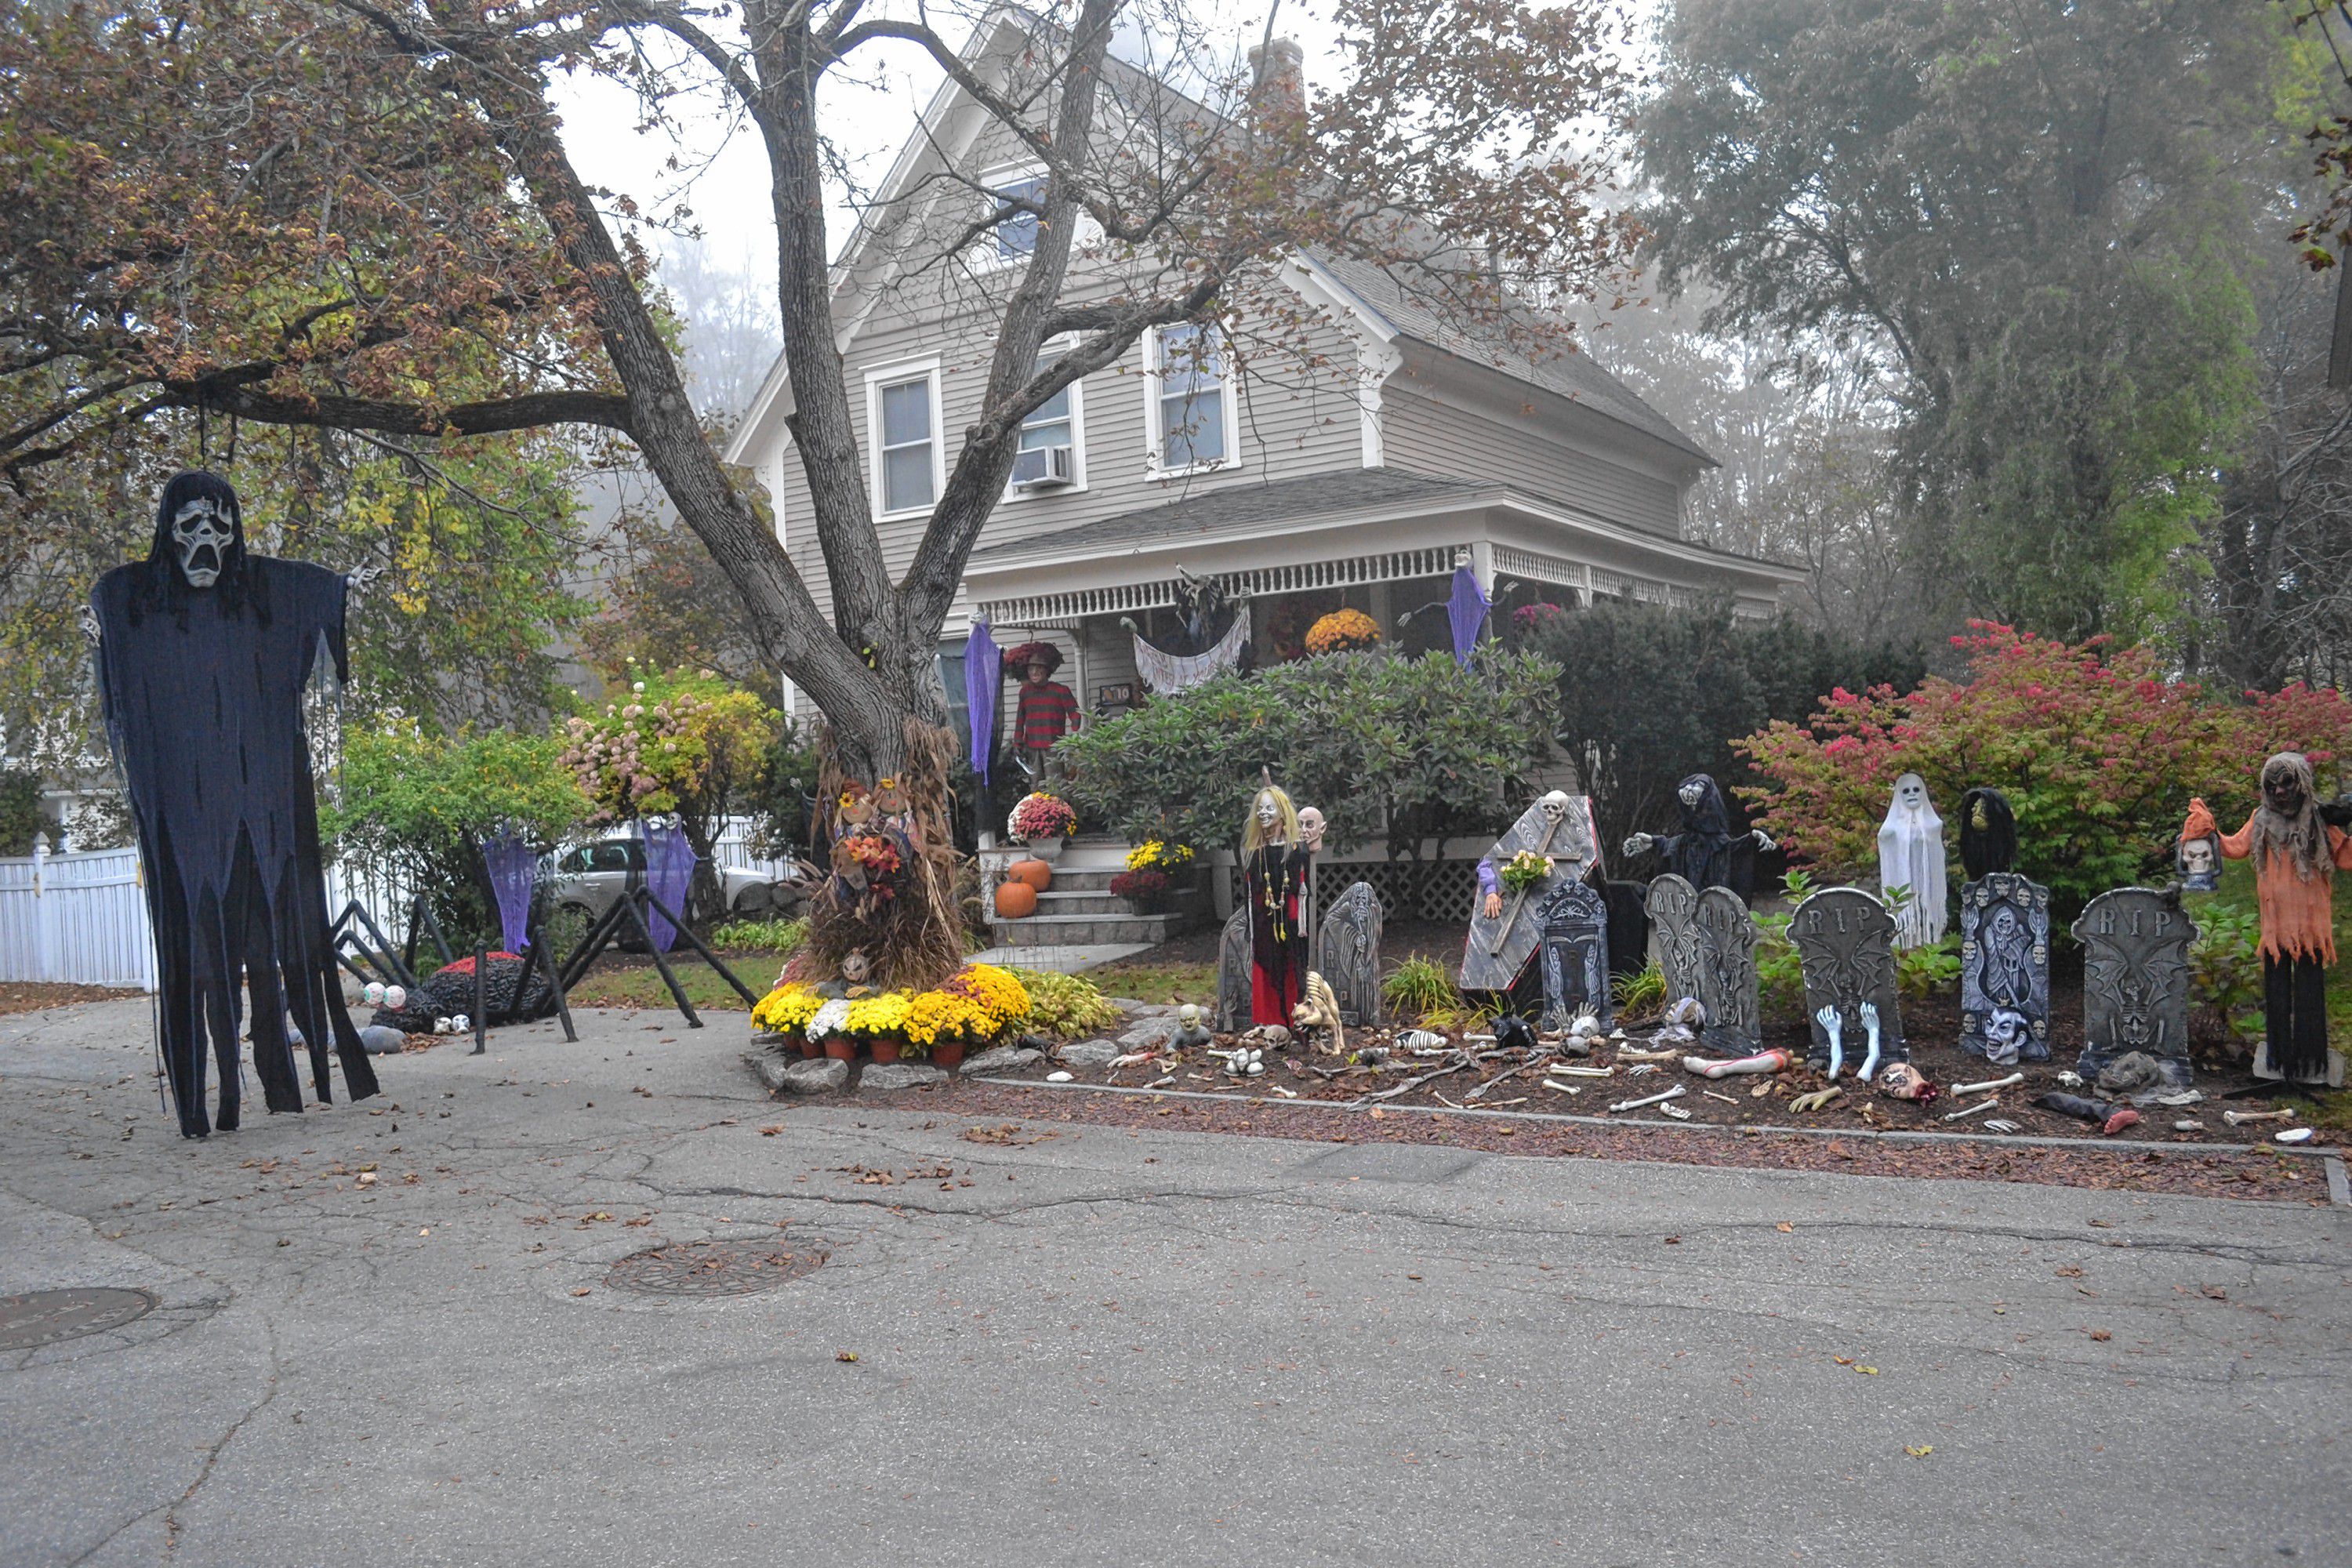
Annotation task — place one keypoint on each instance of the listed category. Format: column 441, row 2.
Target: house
column 1303, row 491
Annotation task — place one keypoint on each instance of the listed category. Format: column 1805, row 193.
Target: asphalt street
column 1089, row 1345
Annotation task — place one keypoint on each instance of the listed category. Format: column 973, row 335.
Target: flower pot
column 841, row 1050
column 884, row 1048
column 811, row 1050
column 947, row 1054
column 1046, row 849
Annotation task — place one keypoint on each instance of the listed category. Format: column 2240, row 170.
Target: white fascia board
column 1460, row 520
column 762, row 427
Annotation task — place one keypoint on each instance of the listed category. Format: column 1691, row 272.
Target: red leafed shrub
column 2098, row 754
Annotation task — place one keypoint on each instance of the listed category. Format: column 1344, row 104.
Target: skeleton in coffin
column 1504, row 934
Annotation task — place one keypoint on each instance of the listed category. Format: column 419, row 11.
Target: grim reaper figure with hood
column 1704, row 853
column 202, row 654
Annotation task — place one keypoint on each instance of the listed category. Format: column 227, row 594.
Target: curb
column 2339, row 1188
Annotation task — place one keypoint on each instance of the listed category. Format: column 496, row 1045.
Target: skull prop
column 202, row 537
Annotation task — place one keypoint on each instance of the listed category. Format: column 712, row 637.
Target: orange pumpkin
column 1015, row 900
column 1037, row 873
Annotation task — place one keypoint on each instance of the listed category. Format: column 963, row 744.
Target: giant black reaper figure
column 202, row 654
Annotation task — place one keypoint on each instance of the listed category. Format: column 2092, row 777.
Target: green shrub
column 20, row 811
column 2225, row 963
column 1640, row 992
column 1065, row 1006
column 1919, row 972
column 1422, row 745
column 2097, row 755
column 1649, row 696
column 782, row 937
column 1418, row 987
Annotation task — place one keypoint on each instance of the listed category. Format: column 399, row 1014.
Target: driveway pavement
column 1103, row 1346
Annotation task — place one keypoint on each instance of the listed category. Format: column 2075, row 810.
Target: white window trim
column 988, row 258
column 1077, row 436
column 898, row 374
column 1154, row 441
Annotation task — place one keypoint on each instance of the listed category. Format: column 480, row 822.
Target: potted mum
column 830, row 1030
column 1042, row 822
column 1154, row 870
column 786, row 1011
column 1342, row 631
column 879, row 1024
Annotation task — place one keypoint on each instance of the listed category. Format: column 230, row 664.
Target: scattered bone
column 1989, row 1085
column 1676, row 1112
column 1162, row 1082
column 1132, row 1059
column 1674, row 1093
column 1972, row 1109
column 1565, row 1070
column 2292, row 1135
column 2070, row 1080
column 1282, row 1091
column 1998, row 1126
column 1769, row 1061
column 1563, row 1088
column 1638, row 1069
column 1630, row 1054
column 2189, row 1124
column 2243, row 1118
column 1727, row 1098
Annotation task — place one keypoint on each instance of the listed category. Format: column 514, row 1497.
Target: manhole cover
column 45, row 1317
column 716, row 1268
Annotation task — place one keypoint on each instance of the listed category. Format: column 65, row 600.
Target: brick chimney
column 1278, row 78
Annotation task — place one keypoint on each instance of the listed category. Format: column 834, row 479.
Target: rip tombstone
column 1348, row 954
column 2005, row 969
column 1574, row 922
column 1707, row 950
column 1845, row 944
column 2135, row 980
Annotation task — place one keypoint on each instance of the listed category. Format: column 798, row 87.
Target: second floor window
column 1191, row 408
column 908, row 445
column 1016, row 236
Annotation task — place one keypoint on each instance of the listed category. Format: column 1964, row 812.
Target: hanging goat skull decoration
column 202, row 537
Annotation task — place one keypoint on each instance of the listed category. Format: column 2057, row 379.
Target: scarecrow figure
column 2295, row 856
column 203, row 655
column 1275, row 861
column 1048, row 710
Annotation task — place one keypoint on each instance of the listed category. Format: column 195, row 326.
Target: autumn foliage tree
column 364, row 215
column 2096, row 750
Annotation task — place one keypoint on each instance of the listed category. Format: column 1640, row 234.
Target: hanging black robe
column 203, row 697
column 1706, row 853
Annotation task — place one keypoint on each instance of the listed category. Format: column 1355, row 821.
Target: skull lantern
column 202, row 536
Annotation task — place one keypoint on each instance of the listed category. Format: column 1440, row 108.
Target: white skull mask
column 1911, row 792
column 1692, row 793
column 201, row 537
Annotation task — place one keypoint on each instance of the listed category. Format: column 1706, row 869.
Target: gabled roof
column 1565, row 371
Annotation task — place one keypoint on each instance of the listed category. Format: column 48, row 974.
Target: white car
column 592, row 878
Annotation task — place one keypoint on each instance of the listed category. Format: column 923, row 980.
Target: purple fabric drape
column 1467, row 611
column 982, row 670
column 669, row 871
column 514, row 871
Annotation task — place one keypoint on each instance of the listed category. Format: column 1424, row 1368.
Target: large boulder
column 1002, row 1058
column 1151, row 1035
column 1090, row 1053
column 380, row 1041
column 822, row 1075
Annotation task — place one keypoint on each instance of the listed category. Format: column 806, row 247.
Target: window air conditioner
column 1043, row 467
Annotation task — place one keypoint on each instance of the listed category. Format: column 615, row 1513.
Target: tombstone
column 1497, row 949
column 1845, row 944
column 1575, row 926
column 2005, row 969
column 1233, row 972
column 1727, row 974
column 2135, row 980
column 1348, row 954
column 1673, row 925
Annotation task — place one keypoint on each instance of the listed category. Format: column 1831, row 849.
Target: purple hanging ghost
column 982, row 672
column 514, row 871
column 669, row 871
column 1467, row 611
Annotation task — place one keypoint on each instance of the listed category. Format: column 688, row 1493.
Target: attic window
column 1016, row 236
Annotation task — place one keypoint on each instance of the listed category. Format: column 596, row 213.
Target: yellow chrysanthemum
column 1342, row 630
column 787, row 1009
column 879, row 1015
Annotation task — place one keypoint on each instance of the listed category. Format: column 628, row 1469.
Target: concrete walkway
column 1106, row 1347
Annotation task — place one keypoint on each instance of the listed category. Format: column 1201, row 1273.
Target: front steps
column 1079, row 913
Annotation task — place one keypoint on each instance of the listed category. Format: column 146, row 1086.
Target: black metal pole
column 708, row 957
column 546, row 961
column 482, row 998
column 406, row 975
column 599, row 937
column 677, row 992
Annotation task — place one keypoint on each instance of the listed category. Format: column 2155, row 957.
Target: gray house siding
column 1432, row 435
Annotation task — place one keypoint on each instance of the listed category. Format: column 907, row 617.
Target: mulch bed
column 2099, row 1165
column 32, row 996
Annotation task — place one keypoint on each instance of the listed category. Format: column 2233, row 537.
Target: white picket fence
column 81, row 919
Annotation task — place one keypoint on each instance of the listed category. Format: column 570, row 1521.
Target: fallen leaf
column 1674, row 1241
column 1921, row 1451
column 2070, row 1272
column 845, row 1355
column 1867, row 1370
column 2215, row 1292
column 1844, row 1359
column 582, row 1291
column 2102, row 1335
column 772, row 1132
column 1785, row 1228
column 1837, row 1147
column 1413, row 1275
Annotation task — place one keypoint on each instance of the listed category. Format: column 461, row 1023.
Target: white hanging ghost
column 1911, row 855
